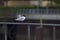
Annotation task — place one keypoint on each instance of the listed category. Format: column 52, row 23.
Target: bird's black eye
column 23, row 15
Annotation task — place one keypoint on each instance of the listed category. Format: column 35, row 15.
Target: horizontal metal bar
column 29, row 23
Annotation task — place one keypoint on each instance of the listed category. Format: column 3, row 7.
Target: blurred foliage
column 57, row 1
column 6, row 11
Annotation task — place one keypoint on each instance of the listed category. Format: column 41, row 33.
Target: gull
column 20, row 18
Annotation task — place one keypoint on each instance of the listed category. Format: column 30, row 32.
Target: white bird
column 20, row 18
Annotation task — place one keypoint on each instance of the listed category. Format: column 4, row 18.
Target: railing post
column 28, row 32
column 54, row 35
column 5, row 30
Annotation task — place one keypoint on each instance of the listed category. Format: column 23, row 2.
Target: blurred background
column 43, row 3
column 32, row 9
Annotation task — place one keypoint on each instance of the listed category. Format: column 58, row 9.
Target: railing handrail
column 30, row 23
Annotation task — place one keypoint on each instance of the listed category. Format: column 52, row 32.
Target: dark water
column 20, row 32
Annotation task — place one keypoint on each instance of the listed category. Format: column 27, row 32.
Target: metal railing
column 5, row 32
column 34, row 11
column 45, row 11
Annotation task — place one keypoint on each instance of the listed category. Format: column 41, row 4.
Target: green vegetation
column 57, row 1
column 6, row 11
